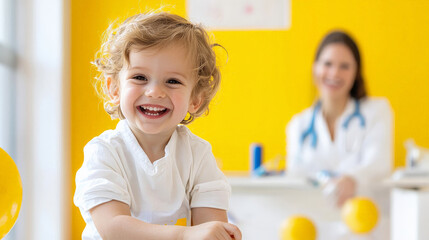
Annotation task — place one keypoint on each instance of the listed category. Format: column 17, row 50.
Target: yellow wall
column 267, row 78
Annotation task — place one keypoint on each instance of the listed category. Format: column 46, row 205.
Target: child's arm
column 113, row 220
column 203, row 215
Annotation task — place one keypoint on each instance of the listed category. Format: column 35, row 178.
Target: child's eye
column 173, row 81
column 140, row 78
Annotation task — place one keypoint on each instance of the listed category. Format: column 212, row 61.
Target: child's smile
column 153, row 111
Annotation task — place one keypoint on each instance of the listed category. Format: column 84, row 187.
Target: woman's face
column 335, row 71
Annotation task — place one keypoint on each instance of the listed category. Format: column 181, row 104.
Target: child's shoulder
column 184, row 134
column 111, row 137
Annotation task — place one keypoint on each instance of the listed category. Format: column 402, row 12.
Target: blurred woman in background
column 343, row 142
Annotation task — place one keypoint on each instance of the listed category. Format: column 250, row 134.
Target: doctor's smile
column 334, row 84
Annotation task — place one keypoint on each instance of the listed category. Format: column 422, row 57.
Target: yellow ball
column 360, row 214
column 11, row 193
column 298, row 228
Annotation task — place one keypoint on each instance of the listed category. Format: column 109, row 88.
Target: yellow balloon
column 298, row 228
column 360, row 214
column 11, row 193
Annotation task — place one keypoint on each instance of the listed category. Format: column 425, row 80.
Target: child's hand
column 212, row 231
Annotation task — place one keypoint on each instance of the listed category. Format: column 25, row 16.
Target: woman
column 344, row 141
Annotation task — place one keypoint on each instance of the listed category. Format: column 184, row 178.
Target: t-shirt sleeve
column 210, row 186
column 99, row 180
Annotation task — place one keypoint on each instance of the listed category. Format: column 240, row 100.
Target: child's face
column 335, row 71
column 155, row 89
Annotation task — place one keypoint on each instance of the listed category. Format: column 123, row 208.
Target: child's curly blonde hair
column 154, row 30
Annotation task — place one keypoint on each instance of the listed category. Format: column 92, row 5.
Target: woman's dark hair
column 358, row 90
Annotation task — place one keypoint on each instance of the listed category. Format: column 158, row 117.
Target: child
column 150, row 175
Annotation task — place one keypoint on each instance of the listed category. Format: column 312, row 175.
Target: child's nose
column 154, row 90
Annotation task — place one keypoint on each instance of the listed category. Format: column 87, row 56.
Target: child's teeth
column 154, row 109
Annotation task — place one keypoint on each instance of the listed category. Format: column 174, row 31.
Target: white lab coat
column 365, row 153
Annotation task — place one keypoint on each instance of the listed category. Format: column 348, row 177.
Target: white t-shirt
column 115, row 167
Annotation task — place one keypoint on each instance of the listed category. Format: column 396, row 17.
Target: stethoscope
column 311, row 132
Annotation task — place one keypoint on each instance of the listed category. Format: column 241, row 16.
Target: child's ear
column 195, row 103
column 113, row 90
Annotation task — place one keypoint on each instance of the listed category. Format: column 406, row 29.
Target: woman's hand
column 214, row 230
column 340, row 189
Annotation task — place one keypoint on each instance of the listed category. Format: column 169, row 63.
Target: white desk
column 409, row 182
column 271, row 182
column 260, row 205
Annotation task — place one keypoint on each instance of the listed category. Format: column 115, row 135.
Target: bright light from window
column 5, row 22
column 7, row 82
column 2, row 22
column 6, row 98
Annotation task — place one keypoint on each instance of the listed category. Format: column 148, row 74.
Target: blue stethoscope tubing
column 311, row 132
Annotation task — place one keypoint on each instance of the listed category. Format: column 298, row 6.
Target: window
column 41, row 94
column 7, row 81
